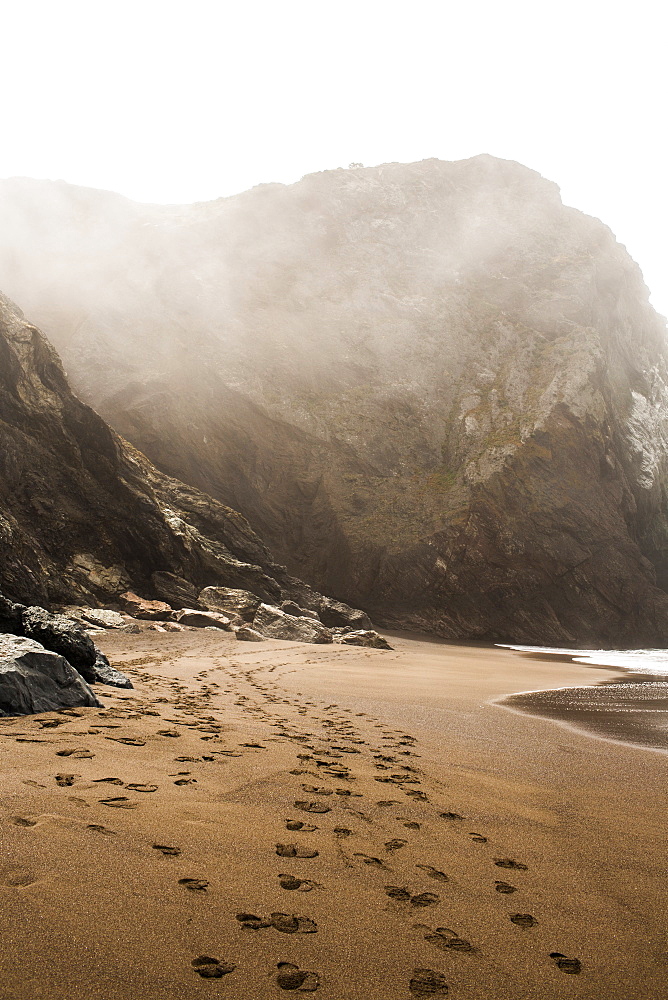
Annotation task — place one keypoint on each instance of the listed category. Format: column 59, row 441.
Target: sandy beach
column 356, row 824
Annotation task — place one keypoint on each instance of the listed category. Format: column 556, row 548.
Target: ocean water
column 638, row 661
column 631, row 708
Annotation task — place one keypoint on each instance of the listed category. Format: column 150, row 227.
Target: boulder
column 67, row 638
column 175, row 590
column 337, row 614
column 61, row 635
column 276, row 624
column 34, row 679
column 101, row 618
column 293, row 609
column 248, row 634
column 202, row 619
column 106, row 674
column 364, row 637
column 235, row 602
column 145, row 610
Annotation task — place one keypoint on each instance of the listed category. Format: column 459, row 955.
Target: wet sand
column 444, row 839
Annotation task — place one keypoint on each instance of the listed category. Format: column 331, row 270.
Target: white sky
column 190, row 100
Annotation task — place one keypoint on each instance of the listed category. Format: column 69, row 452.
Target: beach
column 352, row 823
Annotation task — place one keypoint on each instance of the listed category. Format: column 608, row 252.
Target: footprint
column 478, row 838
column 194, row 884
column 316, row 790
column 98, row 828
column 450, row 815
column 367, row 859
column 387, row 802
column 425, row 899
column 294, row 851
column 108, row 781
column 291, row 977
column 572, row 966
column 312, row 807
column 65, row 780
column 143, row 788
column 286, row 923
column 427, row 983
column 444, row 938
column 505, row 887
column 166, row 732
column 342, row 832
column 411, row 825
column 179, row 781
column 131, row 741
column 211, row 968
column 509, row 863
column 120, row 802
column 77, row 754
column 171, row 852
column 296, row 824
column 395, row 845
column 434, row 873
column 421, row 797
column 397, row 892
column 523, row 920
column 290, row 882
column 22, row 821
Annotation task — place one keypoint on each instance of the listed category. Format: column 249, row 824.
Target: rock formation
column 434, row 390
column 34, row 679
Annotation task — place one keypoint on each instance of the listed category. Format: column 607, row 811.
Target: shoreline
column 212, row 754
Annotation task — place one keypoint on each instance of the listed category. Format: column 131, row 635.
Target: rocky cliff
column 84, row 516
column 433, row 389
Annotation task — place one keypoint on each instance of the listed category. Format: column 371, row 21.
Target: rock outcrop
column 276, row 624
column 84, row 516
column 434, row 390
column 34, row 679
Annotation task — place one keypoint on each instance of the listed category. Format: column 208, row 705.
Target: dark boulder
column 34, row 679
column 175, row 590
column 61, row 635
column 68, row 639
column 106, row 674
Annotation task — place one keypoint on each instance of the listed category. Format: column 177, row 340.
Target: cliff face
column 83, row 515
column 433, row 389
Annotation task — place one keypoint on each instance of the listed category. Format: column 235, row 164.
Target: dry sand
column 210, row 756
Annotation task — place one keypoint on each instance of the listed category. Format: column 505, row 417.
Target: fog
column 181, row 103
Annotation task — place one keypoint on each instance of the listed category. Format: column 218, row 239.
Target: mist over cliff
column 433, row 390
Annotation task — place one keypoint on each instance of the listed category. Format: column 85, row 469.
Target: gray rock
column 364, row 637
column 275, row 624
column 106, row 674
column 34, row 679
column 202, row 619
column 101, row 618
column 61, row 635
column 293, row 609
column 336, row 613
column 230, row 601
column 248, row 634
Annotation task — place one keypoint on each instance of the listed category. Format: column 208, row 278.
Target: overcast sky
column 187, row 101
